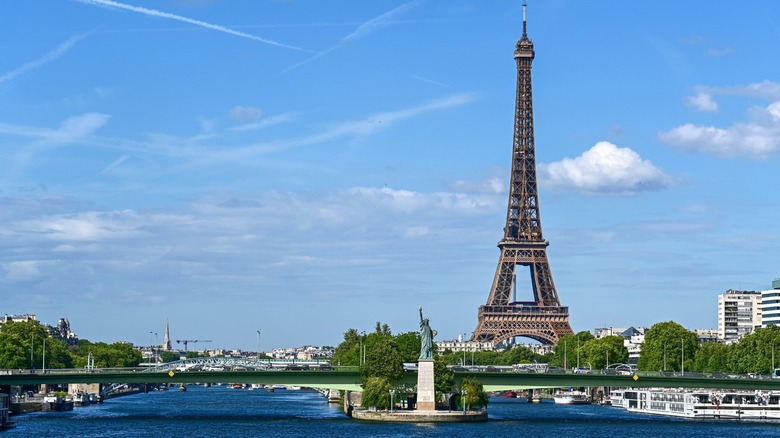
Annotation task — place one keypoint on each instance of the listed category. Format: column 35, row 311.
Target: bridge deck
column 350, row 379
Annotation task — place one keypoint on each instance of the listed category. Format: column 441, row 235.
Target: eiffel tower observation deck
column 503, row 317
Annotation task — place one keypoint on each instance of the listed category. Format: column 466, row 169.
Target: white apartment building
column 462, row 345
column 739, row 313
column 633, row 337
column 770, row 305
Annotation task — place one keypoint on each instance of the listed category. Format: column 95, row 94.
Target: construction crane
column 187, row 341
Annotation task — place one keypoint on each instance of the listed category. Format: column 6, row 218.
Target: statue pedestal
column 426, row 393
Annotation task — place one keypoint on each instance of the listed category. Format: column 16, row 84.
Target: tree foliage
column 515, row 355
column 116, row 355
column 169, row 356
column 665, row 347
column 443, row 377
column 409, row 346
column 383, row 359
column 376, row 392
column 753, row 353
column 347, row 352
column 473, row 393
column 22, row 346
column 712, row 357
column 569, row 348
column 596, row 352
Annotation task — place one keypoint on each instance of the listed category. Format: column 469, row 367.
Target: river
column 222, row 411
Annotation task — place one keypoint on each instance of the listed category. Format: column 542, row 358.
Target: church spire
column 167, row 346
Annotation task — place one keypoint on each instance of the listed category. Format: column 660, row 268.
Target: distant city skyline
column 302, row 168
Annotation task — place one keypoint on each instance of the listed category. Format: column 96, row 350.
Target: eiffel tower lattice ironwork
column 502, row 317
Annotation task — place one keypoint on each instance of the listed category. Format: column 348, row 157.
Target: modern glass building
column 770, row 305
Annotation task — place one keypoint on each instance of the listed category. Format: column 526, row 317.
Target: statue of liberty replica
column 426, row 393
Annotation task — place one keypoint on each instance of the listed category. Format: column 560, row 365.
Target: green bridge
column 348, row 378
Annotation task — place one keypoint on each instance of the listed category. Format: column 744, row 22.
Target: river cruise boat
column 703, row 403
column 571, row 397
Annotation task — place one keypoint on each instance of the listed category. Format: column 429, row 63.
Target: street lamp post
column 465, row 393
column 32, row 344
column 578, row 351
column 258, row 345
column 665, row 341
column 464, row 349
column 361, row 353
column 682, row 357
column 151, row 348
column 392, row 393
column 43, row 366
column 565, row 366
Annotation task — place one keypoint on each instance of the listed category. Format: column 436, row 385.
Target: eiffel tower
column 502, row 317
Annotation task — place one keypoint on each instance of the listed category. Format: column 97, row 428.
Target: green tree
column 712, row 357
column 753, row 353
column 376, row 392
column 409, row 345
column 169, row 356
column 347, row 352
column 21, row 346
column 668, row 342
column 383, row 329
column 383, row 359
column 116, row 355
column 596, row 352
column 473, row 393
column 568, row 349
column 443, row 377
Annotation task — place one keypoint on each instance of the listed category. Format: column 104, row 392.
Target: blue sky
column 303, row 167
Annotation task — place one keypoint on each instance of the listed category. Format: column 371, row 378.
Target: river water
column 222, row 411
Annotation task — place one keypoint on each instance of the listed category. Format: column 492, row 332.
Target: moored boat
column 55, row 403
column 81, row 399
column 571, row 397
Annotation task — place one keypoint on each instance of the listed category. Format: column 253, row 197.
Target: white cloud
column 605, row 168
column 703, row 102
column 491, row 185
column 240, row 112
column 265, row 122
column 757, row 139
column 719, row 52
column 78, row 127
column 85, row 226
column 767, row 90
column 26, row 270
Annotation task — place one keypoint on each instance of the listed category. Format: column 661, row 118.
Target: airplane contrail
column 59, row 50
column 161, row 14
column 364, row 29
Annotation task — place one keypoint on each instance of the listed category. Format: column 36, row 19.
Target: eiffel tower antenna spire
column 525, row 34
